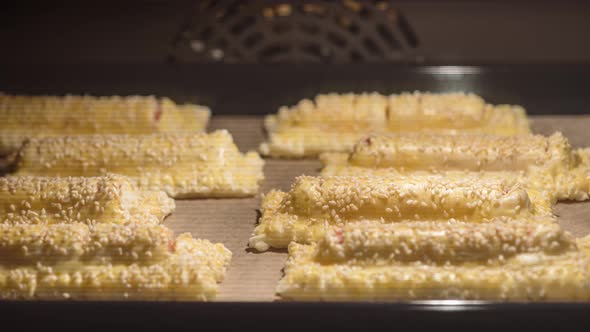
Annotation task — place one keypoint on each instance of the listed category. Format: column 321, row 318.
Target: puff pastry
column 32, row 116
column 314, row 204
column 182, row 165
column 333, row 123
column 109, row 198
column 514, row 260
column 190, row 270
column 544, row 164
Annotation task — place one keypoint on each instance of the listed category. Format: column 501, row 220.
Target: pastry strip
column 78, row 243
column 31, row 116
column 109, row 198
column 182, row 165
column 313, row 204
column 192, row 272
column 333, row 123
column 441, row 243
column 541, row 163
column 533, row 269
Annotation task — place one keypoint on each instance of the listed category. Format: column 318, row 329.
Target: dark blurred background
column 250, row 57
column 446, row 32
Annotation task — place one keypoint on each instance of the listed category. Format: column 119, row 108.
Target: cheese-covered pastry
column 313, row 204
column 489, row 243
column 79, row 243
column 109, row 198
column 190, row 270
column 333, row 122
column 182, row 165
column 541, row 163
column 514, row 260
column 33, row 116
column 453, row 113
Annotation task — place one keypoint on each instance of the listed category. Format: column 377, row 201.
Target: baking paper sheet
column 253, row 276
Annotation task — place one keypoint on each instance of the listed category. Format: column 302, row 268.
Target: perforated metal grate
column 297, row 31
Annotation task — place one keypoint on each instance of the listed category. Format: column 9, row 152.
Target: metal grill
column 262, row 31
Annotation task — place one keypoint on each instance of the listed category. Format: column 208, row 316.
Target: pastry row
column 396, row 219
column 91, row 183
column 421, row 196
column 98, row 238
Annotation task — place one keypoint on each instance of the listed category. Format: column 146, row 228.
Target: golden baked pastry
column 81, row 243
column 334, row 123
column 182, row 165
column 98, row 238
column 147, row 266
column 314, row 204
column 544, row 164
column 109, row 198
column 32, row 116
column 512, row 260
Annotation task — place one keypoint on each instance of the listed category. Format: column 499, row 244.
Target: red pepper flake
column 339, row 235
column 172, row 246
column 158, row 112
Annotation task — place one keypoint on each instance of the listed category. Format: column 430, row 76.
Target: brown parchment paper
column 252, row 276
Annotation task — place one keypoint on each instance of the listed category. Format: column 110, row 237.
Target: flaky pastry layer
column 24, row 117
column 78, row 243
column 544, row 164
column 540, row 264
column 492, row 243
column 313, row 204
column 333, row 122
column 182, row 165
column 109, row 198
column 192, row 272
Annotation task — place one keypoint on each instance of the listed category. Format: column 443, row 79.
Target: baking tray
column 247, row 295
column 252, row 276
column 246, row 298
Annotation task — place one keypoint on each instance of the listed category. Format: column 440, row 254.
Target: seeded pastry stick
column 78, row 243
column 333, row 123
column 328, row 123
column 346, row 112
column 300, row 142
column 191, row 272
column 523, row 278
column 453, row 113
column 372, row 244
column 504, row 262
column 462, row 152
column 539, row 162
column 30, row 116
column 182, row 165
column 110, row 198
column 313, row 204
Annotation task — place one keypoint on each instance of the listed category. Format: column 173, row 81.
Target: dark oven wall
column 250, row 57
column 431, row 32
